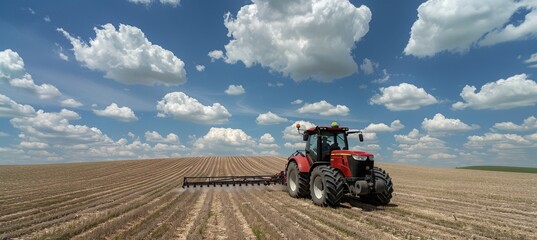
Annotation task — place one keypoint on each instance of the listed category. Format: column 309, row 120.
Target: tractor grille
column 360, row 168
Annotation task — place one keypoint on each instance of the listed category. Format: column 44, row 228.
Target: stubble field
column 143, row 200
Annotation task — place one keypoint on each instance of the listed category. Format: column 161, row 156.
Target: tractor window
column 340, row 140
column 312, row 147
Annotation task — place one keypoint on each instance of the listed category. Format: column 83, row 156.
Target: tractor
column 327, row 170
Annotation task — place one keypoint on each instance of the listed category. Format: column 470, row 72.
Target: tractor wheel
column 385, row 195
column 326, row 186
column 297, row 182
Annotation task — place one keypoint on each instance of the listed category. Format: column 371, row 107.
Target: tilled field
column 143, row 200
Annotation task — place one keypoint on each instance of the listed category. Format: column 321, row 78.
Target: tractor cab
column 322, row 141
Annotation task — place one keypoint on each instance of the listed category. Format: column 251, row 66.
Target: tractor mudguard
column 302, row 162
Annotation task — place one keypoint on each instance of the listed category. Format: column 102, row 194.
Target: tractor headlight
column 359, row 158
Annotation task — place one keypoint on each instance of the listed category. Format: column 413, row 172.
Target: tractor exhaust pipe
column 361, row 188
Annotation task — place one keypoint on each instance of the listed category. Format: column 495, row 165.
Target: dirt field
column 143, row 200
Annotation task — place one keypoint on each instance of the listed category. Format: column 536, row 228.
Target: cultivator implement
column 234, row 180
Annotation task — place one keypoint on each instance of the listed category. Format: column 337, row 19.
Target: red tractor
column 327, row 169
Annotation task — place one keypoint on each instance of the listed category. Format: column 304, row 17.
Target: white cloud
column 235, row 90
column 385, row 77
column 532, row 60
column 513, row 92
column 215, row 55
column 12, row 71
column 31, row 11
column 296, row 145
column 181, row 106
column 301, row 39
column 267, row 141
column 457, row 25
column 278, row 84
column 269, row 118
column 441, row 125
column 381, row 127
column 415, row 147
column 153, row 136
column 498, row 141
column 290, row 132
column 403, row 97
column 529, row 124
column 33, row 145
column 173, row 3
column 63, row 56
column 128, row 57
column 298, row 101
column 225, row 141
column 71, row 103
column 47, row 19
column 325, row 109
column 10, row 108
column 3, row 134
column 368, row 66
column 124, row 114
column 200, row 68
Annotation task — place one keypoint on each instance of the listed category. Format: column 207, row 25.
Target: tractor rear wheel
column 297, row 182
column 382, row 197
column 326, row 186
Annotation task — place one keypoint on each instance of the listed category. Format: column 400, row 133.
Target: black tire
column 326, row 186
column 384, row 197
column 297, row 182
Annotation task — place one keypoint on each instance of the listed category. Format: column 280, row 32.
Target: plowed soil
column 144, row 200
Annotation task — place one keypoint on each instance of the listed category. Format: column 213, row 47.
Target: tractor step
column 234, row 180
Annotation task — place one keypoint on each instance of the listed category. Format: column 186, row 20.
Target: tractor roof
column 327, row 128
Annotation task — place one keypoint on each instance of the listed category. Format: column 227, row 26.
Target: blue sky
column 442, row 83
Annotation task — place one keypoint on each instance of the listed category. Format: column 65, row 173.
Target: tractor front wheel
column 383, row 188
column 326, row 186
column 297, row 182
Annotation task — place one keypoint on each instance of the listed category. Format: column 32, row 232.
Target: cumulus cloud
column 498, row 141
column 269, row 118
column 225, row 141
column 71, row 103
column 235, row 90
column 297, row 102
column 200, row 68
column 513, row 92
column 181, row 106
column 457, row 25
column 13, row 72
column 532, row 61
column 529, row 124
column 153, row 136
column 368, row 66
column 381, row 127
column 290, row 132
column 127, row 56
column 50, row 136
column 405, row 96
column 10, row 108
column 124, row 114
column 215, row 55
column 301, row 39
column 173, row 3
column 324, row 108
column 267, row 142
column 440, row 125
column 278, row 84
column 418, row 148
column 384, row 78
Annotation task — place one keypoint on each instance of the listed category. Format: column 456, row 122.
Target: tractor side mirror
column 305, row 136
column 360, row 135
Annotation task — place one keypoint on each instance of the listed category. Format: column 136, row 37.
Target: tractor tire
column 326, row 186
column 384, row 197
column 297, row 182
